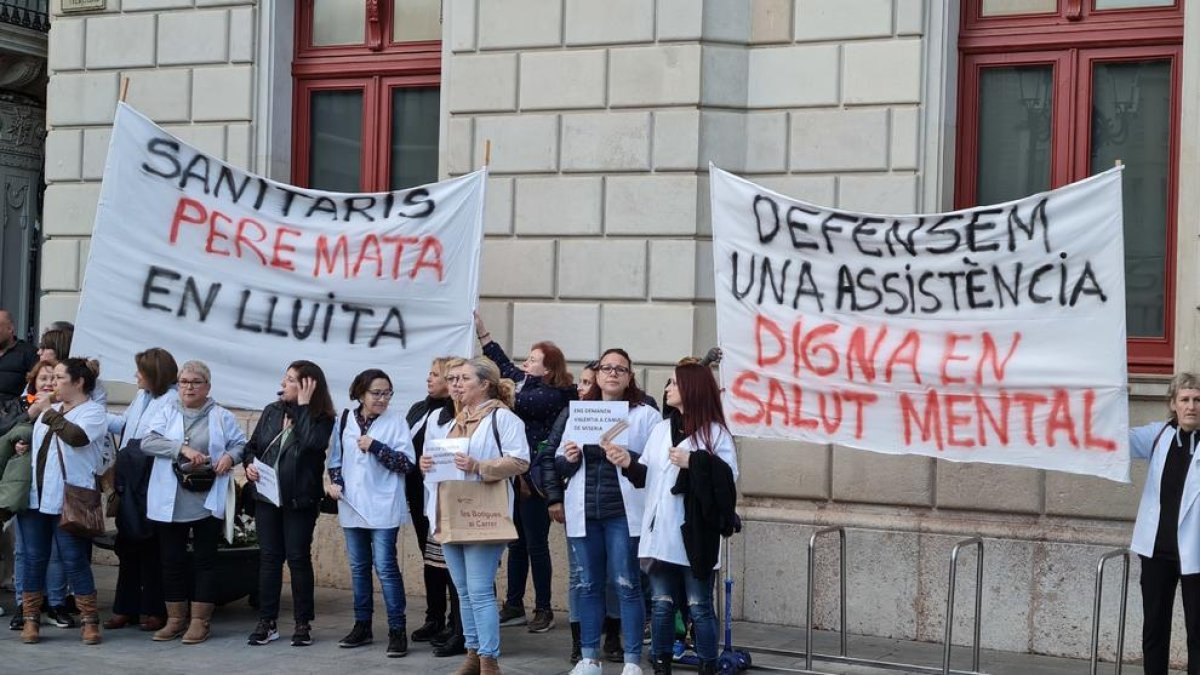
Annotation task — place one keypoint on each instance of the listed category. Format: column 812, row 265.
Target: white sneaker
column 631, row 669
column 586, row 667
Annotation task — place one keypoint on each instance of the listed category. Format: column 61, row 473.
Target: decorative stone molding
column 18, row 71
column 22, row 131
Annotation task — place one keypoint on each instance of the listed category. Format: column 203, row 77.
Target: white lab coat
column 661, row 538
column 135, row 421
column 374, row 495
column 642, row 420
column 1142, row 445
column 223, row 432
column 482, row 446
column 81, row 463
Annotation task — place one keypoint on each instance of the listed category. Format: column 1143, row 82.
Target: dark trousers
column 438, row 585
column 1159, row 579
column 285, row 534
column 139, row 578
column 530, row 549
column 201, row 570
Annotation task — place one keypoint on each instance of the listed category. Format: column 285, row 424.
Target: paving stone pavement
column 131, row 651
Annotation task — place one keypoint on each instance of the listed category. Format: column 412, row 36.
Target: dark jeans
column 1159, row 579
column 671, row 584
column 606, row 559
column 173, row 543
column 139, row 578
column 285, row 534
column 38, row 531
column 376, row 549
column 530, row 549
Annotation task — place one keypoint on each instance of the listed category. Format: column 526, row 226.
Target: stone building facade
column 603, row 118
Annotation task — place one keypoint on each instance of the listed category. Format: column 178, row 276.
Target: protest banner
column 247, row 274
column 993, row 334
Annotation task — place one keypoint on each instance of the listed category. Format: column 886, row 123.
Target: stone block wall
column 190, row 68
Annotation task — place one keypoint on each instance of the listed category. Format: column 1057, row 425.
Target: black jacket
column 553, row 485
column 302, row 463
column 15, row 363
column 13, row 412
column 709, row 501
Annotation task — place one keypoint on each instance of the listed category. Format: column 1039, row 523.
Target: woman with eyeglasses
column 423, row 415
column 370, row 452
column 496, row 451
column 603, row 513
column 689, row 456
column 291, row 436
column 544, row 388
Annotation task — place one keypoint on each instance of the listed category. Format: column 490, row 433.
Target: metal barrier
column 1122, row 553
column 978, row 544
column 812, row 547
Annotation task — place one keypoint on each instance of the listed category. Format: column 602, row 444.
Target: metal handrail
column 812, row 545
column 1122, row 553
column 977, row 542
column 32, row 14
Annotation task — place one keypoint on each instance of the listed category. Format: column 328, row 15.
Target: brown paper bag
column 474, row 512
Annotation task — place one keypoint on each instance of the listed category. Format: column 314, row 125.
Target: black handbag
column 194, row 478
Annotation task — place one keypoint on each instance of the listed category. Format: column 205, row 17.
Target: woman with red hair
column 688, row 460
column 544, row 388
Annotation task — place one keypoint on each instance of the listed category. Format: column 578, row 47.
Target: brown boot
column 488, row 666
column 471, row 665
column 176, row 622
column 31, row 608
column 197, row 631
column 89, row 617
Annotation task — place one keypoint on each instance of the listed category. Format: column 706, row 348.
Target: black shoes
column 61, row 616
column 512, row 616
column 454, row 645
column 397, row 644
column 264, row 633
column 576, row 649
column 18, row 620
column 428, row 631
column 543, row 620
column 613, row 651
column 359, row 635
column 303, row 635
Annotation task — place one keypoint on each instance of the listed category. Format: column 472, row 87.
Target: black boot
column 613, row 651
column 662, row 664
column 576, row 649
column 427, row 631
column 708, row 667
column 456, row 645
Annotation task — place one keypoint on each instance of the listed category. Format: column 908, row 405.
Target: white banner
column 247, row 274
column 994, row 334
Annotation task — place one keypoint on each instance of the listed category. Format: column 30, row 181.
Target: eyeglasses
column 609, row 369
column 387, row 393
column 192, row 383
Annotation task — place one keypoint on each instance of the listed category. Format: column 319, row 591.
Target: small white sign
column 442, row 451
column 268, row 482
column 83, row 5
column 595, row 422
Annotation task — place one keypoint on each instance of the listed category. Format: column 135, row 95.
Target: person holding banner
column 291, row 437
column 1168, row 544
column 544, row 388
column 195, row 443
column 139, row 594
column 604, row 513
column 370, row 452
column 682, row 455
column 497, row 451
column 66, row 445
column 421, row 416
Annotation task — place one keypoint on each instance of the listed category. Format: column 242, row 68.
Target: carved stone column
column 22, row 155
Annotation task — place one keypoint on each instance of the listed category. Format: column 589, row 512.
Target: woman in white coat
column 1166, row 535
column 369, row 454
column 194, row 433
column 604, row 517
column 66, row 446
column 496, row 451
column 695, row 439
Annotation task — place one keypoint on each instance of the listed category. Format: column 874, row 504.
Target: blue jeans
column 606, row 558
column 612, row 607
column 377, row 548
column 39, row 534
column 530, row 550
column 473, row 569
column 671, row 582
column 56, row 576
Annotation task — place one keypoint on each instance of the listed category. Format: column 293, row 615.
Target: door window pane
column 1006, row 7
column 416, row 20
column 336, row 141
column 1015, row 113
column 1125, row 4
column 1131, row 121
column 338, row 22
column 414, row 137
